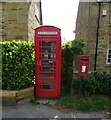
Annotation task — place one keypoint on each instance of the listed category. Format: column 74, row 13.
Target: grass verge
column 95, row 103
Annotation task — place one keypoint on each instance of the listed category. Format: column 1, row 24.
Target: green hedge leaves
column 18, row 68
column 70, row 51
column 17, row 65
column 96, row 83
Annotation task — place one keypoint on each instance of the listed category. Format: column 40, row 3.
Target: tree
column 70, row 52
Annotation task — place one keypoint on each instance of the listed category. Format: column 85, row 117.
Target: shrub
column 70, row 51
column 96, row 83
column 17, row 65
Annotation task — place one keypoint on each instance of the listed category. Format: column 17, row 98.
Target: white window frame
column 107, row 56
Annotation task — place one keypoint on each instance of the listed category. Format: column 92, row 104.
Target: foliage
column 93, row 103
column 96, row 83
column 17, row 65
column 34, row 100
column 70, row 51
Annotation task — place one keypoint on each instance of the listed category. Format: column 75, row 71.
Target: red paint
column 47, row 61
column 83, row 65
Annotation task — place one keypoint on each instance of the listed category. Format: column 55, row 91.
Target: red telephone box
column 47, row 61
column 83, row 65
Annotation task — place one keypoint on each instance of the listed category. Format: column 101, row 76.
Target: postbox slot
column 85, row 59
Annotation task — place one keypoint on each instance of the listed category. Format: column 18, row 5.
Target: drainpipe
column 41, row 13
column 97, row 35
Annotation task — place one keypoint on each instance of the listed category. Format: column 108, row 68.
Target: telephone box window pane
column 48, row 69
column 48, row 56
column 48, row 43
column 54, row 56
column 47, row 87
column 54, row 50
column 47, row 63
column 54, row 62
column 48, row 50
column 48, row 81
column 54, row 43
column 48, row 75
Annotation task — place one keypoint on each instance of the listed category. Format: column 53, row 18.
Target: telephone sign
column 47, row 61
column 83, row 65
column 47, row 33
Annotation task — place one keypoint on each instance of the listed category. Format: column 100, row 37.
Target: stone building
column 19, row 19
column 93, row 25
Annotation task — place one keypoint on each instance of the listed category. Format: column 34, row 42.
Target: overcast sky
column 62, row 14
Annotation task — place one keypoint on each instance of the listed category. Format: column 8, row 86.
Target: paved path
column 29, row 110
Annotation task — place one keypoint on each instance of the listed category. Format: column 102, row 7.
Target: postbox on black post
column 82, row 71
column 83, row 65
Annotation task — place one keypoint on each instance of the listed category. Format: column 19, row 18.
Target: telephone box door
column 47, row 62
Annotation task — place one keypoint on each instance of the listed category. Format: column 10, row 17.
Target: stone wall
column 103, row 42
column 86, row 29
column 33, row 22
column 86, row 24
column 18, row 20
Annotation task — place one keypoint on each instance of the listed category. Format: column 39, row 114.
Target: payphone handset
column 83, row 65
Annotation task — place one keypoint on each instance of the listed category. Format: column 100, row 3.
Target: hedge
column 17, row 65
column 18, row 69
column 70, row 52
column 97, row 83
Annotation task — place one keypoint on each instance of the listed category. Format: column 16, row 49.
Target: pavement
column 26, row 109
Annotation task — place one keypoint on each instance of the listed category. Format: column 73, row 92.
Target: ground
column 26, row 109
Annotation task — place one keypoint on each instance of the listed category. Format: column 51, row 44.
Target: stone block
column 14, row 5
column 20, row 37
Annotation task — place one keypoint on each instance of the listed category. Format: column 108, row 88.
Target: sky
column 62, row 14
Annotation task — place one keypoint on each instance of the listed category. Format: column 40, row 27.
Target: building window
column 108, row 61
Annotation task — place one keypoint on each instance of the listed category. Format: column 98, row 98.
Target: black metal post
column 97, row 34
column 80, row 87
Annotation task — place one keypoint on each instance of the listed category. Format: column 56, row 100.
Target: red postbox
column 47, row 61
column 83, row 65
